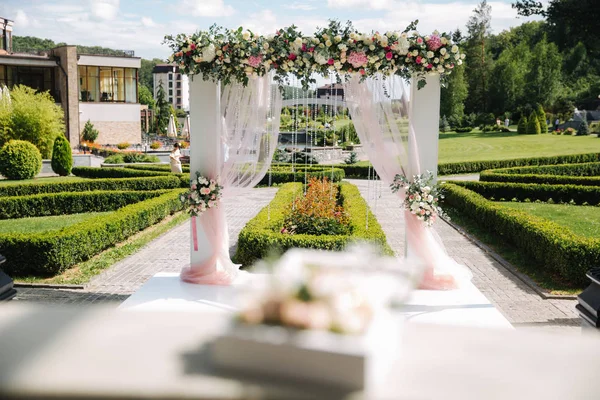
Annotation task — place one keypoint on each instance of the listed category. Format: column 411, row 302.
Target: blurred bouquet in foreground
column 329, row 291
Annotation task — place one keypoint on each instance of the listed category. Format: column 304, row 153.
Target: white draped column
column 205, row 145
column 424, row 116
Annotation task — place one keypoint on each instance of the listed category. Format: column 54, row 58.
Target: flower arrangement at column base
column 421, row 204
column 322, row 318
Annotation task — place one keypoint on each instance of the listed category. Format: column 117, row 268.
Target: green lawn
column 582, row 220
column 43, row 180
column 479, row 146
column 38, row 224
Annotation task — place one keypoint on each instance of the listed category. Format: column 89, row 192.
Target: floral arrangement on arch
column 422, row 196
column 204, row 194
column 228, row 55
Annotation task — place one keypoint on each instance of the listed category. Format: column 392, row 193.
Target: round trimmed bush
column 62, row 160
column 20, row 160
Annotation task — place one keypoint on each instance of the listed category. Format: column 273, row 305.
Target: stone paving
column 520, row 304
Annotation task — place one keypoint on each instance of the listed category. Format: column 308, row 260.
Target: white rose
column 338, row 65
column 457, row 56
column 246, row 35
column 430, row 54
column 454, row 48
column 462, row 56
column 342, row 47
column 270, row 36
column 208, row 53
column 443, row 51
column 444, row 40
column 436, row 60
column 424, row 61
column 402, row 46
column 337, row 39
column 368, row 41
column 321, row 45
column 265, row 45
column 371, row 47
column 320, row 59
column 298, row 42
column 352, row 36
column 446, row 56
column 430, row 198
column 415, row 53
column 219, row 53
column 328, row 43
column 459, row 62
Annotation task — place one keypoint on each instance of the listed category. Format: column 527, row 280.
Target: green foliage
column 533, row 125
column 123, row 145
column 476, row 166
column 147, row 183
column 541, row 116
column 444, row 125
column 94, row 172
column 33, row 117
column 284, row 174
column 584, row 129
column 454, row 94
column 352, row 158
column 575, row 194
column 586, row 174
column 20, row 160
column 52, row 252
column 131, row 157
column 559, row 250
column 163, row 110
column 39, row 205
column 465, row 129
column 89, row 134
column 262, row 234
column 145, row 96
column 522, row 127
column 145, row 72
column 62, row 159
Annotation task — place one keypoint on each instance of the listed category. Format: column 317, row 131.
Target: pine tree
column 584, row 129
column 533, row 124
column 163, row 110
column 444, row 125
column 62, row 160
column 522, row 127
column 89, row 133
column 541, row 115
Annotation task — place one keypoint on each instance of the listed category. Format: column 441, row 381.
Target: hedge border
column 49, row 253
column 46, row 204
column 262, row 233
column 148, row 183
column 571, row 174
column 576, row 194
column 560, row 250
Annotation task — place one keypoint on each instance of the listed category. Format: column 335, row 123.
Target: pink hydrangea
column 254, row 61
column 434, row 42
column 357, row 59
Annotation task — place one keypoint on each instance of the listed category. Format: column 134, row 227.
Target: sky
column 141, row 25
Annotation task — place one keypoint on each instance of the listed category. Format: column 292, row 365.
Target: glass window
column 93, row 82
column 130, row 85
column 170, row 76
column 179, row 93
column 106, row 84
column 118, row 84
column 170, row 84
column 3, row 75
column 84, row 94
column 170, row 92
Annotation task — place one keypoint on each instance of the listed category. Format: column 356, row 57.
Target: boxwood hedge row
column 39, row 205
column 52, row 252
column 529, row 191
column 114, row 172
column 587, row 174
column 279, row 175
column 559, row 250
column 262, row 233
column 86, row 185
column 156, row 167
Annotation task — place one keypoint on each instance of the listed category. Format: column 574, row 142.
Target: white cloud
column 266, row 22
column 207, row 8
column 21, row 19
column 148, row 22
column 105, row 9
column 300, row 6
column 364, row 4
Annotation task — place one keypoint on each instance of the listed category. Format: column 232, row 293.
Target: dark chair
column 7, row 291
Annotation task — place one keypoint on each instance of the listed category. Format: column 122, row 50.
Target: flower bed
column 51, row 252
column 560, row 251
column 587, row 174
column 263, row 232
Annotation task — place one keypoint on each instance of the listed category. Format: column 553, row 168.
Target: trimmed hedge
column 116, row 172
column 150, row 183
column 52, row 252
column 530, row 191
column 586, row 174
column 560, row 251
column 279, row 174
column 477, row 166
column 157, row 167
column 39, row 205
column 20, row 160
column 262, row 233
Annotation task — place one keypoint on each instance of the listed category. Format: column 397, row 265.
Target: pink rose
column 330, row 61
column 194, row 187
column 429, row 66
column 420, row 40
column 193, row 46
column 254, row 61
column 205, row 191
column 304, row 47
column 422, row 212
column 389, row 55
column 292, row 57
column 362, row 71
column 418, row 59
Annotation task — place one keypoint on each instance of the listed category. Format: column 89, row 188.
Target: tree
column 62, row 159
column 507, row 90
column 163, row 110
column 146, row 97
column 544, row 77
column 533, row 124
column 522, row 127
column 444, row 125
column 584, row 129
column 452, row 102
column 479, row 57
column 541, row 115
column 145, row 72
column 89, row 133
column 33, row 117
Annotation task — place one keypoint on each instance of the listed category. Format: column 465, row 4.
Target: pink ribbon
column 194, row 233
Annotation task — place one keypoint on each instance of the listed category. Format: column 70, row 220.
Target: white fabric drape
column 379, row 109
column 250, row 117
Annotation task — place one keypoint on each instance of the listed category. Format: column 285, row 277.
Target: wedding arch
column 235, row 108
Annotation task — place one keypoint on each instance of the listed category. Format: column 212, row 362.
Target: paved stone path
column 520, row 304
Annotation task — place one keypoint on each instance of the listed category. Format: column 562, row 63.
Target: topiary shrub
column 522, row 127
column 155, row 145
column 123, row 146
column 20, row 160
column 89, row 133
column 583, row 130
column 533, row 125
column 541, row 116
column 444, row 125
column 62, row 159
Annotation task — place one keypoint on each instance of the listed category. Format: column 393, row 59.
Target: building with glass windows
column 101, row 88
column 174, row 83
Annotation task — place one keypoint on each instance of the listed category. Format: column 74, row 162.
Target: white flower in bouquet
column 209, row 53
column 320, row 59
column 454, row 49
